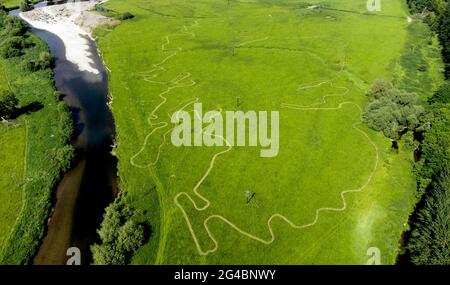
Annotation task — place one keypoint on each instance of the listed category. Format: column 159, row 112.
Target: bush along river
column 90, row 185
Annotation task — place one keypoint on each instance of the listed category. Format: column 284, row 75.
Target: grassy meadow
column 12, row 146
column 10, row 3
column 27, row 179
column 14, row 3
column 314, row 67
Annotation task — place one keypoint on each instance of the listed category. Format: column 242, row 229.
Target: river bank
column 80, row 77
column 73, row 23
column 47, row 124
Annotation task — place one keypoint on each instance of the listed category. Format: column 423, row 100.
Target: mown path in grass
column 150, row 77
column 303, row 63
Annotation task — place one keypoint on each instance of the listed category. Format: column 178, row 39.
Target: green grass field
column 12, row 143
column 12, row 146
column 10, row 3
column 314, row 67
column 25, row 190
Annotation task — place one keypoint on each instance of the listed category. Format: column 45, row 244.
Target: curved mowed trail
column 182, row 80
column 276, row 215
column 334, row 189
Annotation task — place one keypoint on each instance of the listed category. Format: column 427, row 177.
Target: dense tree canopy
column 12, row 36
column 435, row 147
column 430, row 237
column 394, row 111
column 444, row 37
column 120, row 234
column 429, row 242
column 418, row 6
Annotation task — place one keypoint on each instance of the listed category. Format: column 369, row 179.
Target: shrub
column 11, row 26
column 65, row 122
column 43, row 61
column 62, row 157
column 379, row 89
column 25, row 6
column 12, row 47
column 125, row 16
column 8, row 104
column 120, row 234
column 3, row 15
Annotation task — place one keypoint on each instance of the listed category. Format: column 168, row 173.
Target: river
column 90, row 185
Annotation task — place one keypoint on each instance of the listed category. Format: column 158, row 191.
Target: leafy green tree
column 25, row 6
column 11, row 25
column 430, row 238
column 62, row 157
column 8, row 104
column 112, row 221
column 14, row 26
column 379, row 89
column 44, row 60
column 65, row 122
column 120, row 234
column 107, row 255
column 131, row 236
column 395, row 113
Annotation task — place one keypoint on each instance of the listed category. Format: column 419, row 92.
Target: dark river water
column 85, row 190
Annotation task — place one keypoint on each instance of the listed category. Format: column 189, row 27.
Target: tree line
column 397, row 112
column 436, row 13
column 14, row 42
